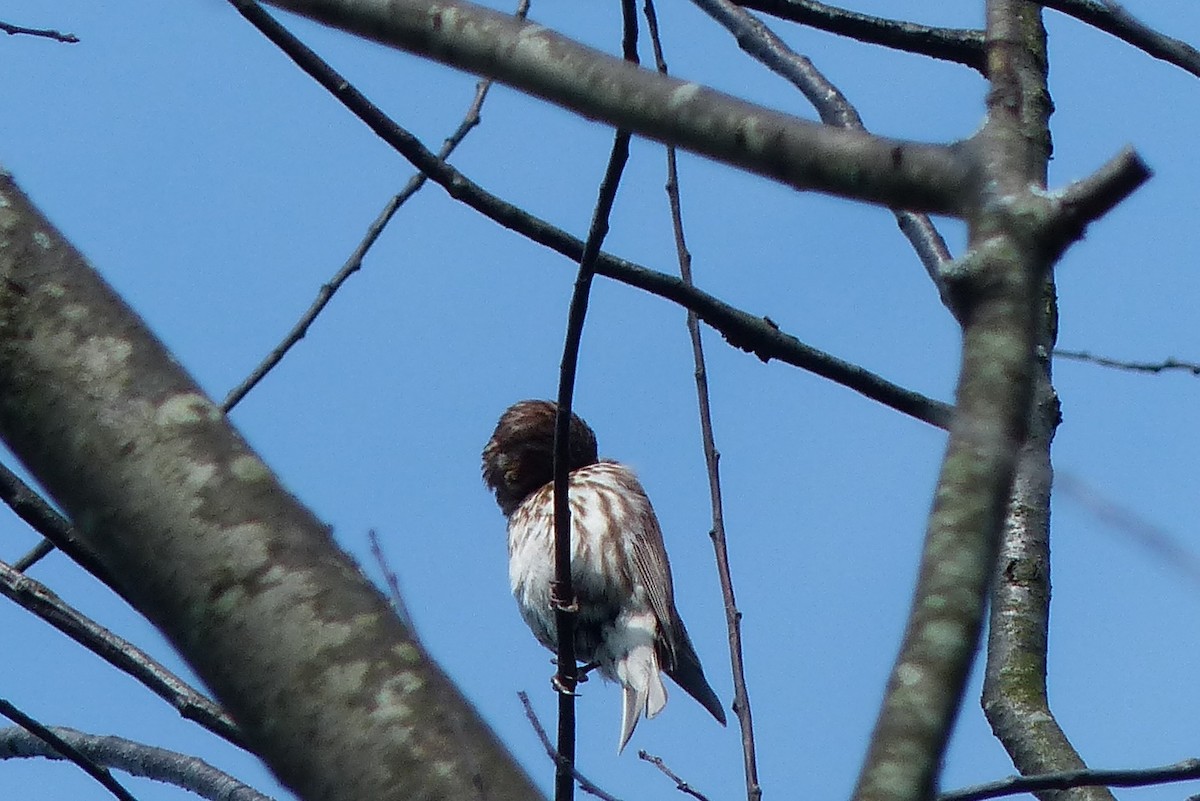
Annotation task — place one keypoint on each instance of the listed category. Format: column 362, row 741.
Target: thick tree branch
column 325, row 682
column 541, row 62
column 1015, row 698
column 834, row 108
column 745, row 331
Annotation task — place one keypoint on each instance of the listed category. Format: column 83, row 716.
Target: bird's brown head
column 519, row 458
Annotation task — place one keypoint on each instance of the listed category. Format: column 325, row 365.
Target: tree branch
column 963, row 46
column 65, row 750
column 733, row 617
column 240, row 577
column 545, row 64
column 191, row 704
column 745, row 331
column 45, row 33
column 1112, row 18
column 136, row 759
column 1187, row 770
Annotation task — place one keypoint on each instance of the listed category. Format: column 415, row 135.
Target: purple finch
column 627, row 625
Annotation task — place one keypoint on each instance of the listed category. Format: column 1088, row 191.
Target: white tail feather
column 642, row 688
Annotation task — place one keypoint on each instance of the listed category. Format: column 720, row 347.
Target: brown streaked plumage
column 627, row 624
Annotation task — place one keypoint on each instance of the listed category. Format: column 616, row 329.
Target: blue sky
column 216, row 187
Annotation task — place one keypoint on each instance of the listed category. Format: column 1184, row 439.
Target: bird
column 627, row 625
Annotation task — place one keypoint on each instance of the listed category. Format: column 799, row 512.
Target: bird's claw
column 562, row 604
column 562, row 686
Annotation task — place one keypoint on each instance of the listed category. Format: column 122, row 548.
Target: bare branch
column 1171, row 551
column 66, row 750
column 748, row 332
column 121, row 437
column 962, row 46
column 1112, row 18
column 680, row 784
column 835, row 109
column 997, row 288
column 1140, row 367
column 284, row 40
column 1015, row 699
column 536, row 60
column 733, row 617
column 45, row 520
column 585, row 784
column 1187, row 770
column 45, row 33
column 191, row 704
column 136, row 759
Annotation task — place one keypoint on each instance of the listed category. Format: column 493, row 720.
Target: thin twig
column 97, row 772
column 565, row 608
column 733, row 617
column 585, row 784
column 45, row 33
column 1187, row 770
column 390, row 580
column 35, row 555
column 1172, row 551
column 277, row 34
column 1141, row 367
column 191, row 704
column 752, row 333
column 963, row 46
column 45, row 520
column 680, row 784
column 1113, row 19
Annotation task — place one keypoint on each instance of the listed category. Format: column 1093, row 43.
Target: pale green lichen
column 249, row 468
column 684, row 94
column 104, row 356
column 186, row 408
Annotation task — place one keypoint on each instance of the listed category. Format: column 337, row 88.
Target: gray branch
column 546, row 64
column 326, row 683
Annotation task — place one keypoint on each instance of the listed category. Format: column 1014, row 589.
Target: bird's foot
column 557, row 601
column 563, row 685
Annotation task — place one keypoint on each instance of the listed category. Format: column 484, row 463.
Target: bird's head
column 519, row 458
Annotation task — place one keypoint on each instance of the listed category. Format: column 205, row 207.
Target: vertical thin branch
column 712, row 458
column 562, row 591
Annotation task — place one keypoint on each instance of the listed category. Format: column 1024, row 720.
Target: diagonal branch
column 543, row 63
column 242, row 579
column 281, row 38
column 963, row 46
column 44, row 33
column 66, row 750
column 118, row 652
column 754, row 334
column 835, row 109
column 1112, row 18
column 136, row 759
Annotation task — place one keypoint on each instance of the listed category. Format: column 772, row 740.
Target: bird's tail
column 687, row 673
column 643, row 689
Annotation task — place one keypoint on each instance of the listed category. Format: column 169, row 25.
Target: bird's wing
column 650, row 560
